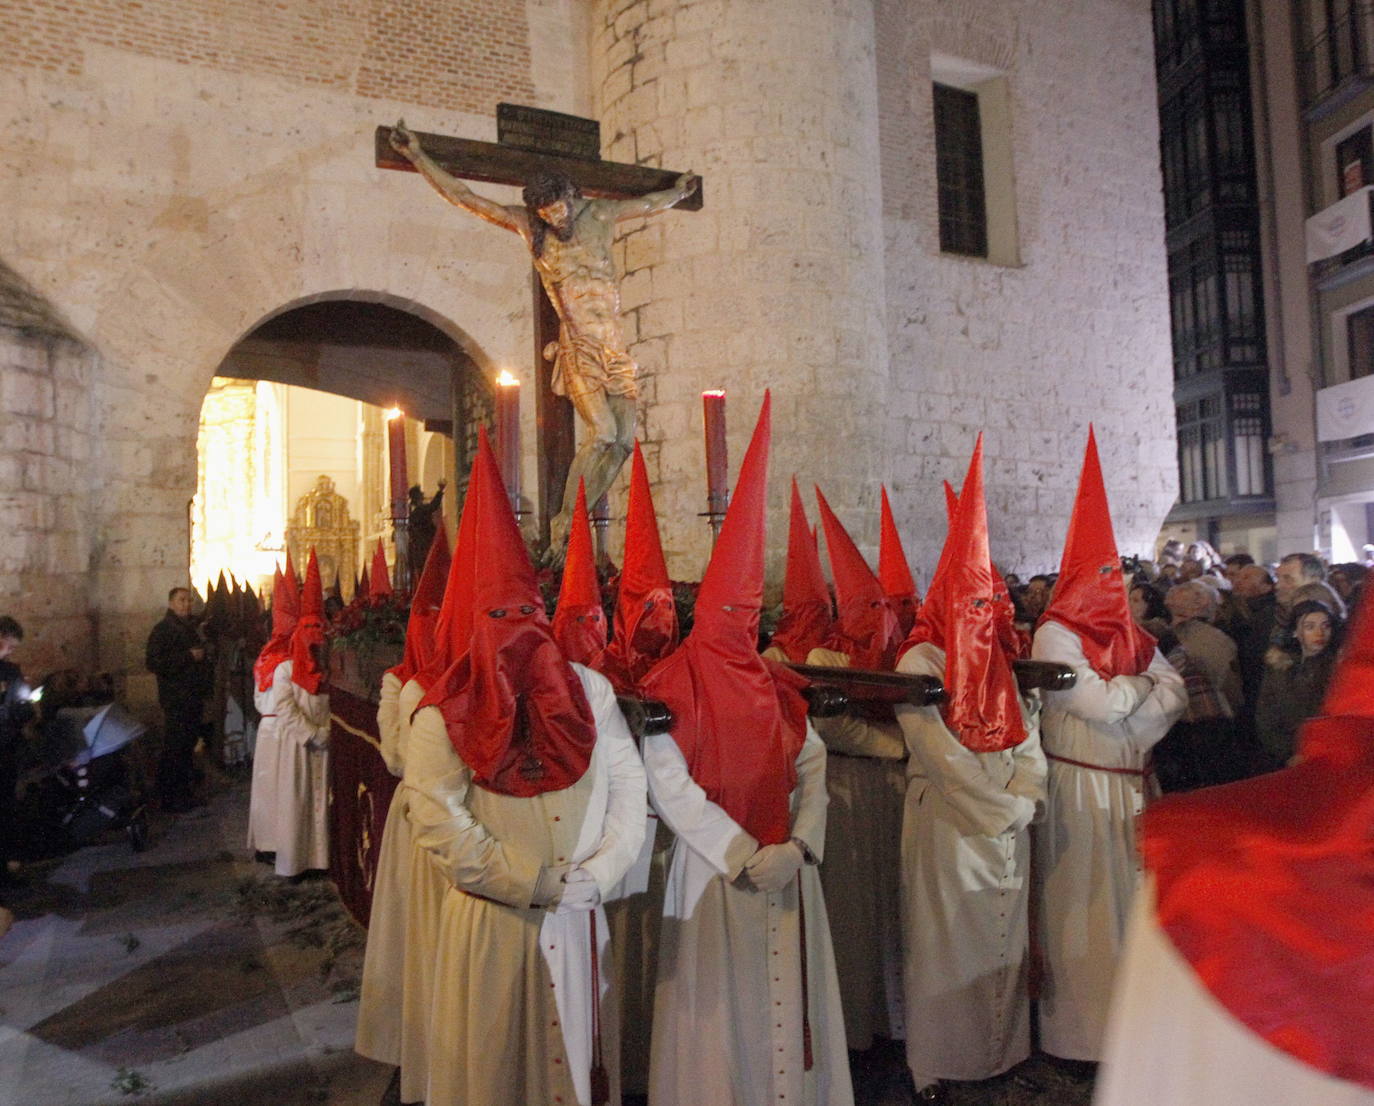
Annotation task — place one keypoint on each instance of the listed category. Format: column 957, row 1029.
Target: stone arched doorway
column 265, row 441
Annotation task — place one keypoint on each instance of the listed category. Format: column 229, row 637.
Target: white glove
column 580, row 892
column 773, row 866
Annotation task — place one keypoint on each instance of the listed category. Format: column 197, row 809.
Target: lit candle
column 717, row 462
column 508, row 434
column 396, row 449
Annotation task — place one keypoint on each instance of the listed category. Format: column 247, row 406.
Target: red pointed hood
column 951, row 503
column 866, row 623
column 364, row 590
column 285, row 610
column 453, row 624
column 645, row 629
column 425, row 606
column 895, row 572
column 579, row 622
column 1090, row 596
column 379, row 586
column 806, row 612
column 962, row 614
column 306, row 672
column 1266, row 886
column 739, row 720
column 290, row 574
column 515, row 710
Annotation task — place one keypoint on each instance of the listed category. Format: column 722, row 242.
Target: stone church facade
column 177, row 172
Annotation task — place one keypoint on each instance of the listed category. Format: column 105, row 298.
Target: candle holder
column 601, row 525
column 717, row 460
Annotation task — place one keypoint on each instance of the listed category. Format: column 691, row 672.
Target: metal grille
column 959, row 172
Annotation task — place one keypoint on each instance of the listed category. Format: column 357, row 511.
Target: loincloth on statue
column 582, row 366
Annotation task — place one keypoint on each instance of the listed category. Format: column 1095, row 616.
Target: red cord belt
column 1141, row 772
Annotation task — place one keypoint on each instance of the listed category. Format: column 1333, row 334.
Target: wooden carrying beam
column 897, row 687
column 887, row 687
column 498, row 164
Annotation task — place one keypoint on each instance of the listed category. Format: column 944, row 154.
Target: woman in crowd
column 1148, row 609
column 1293, row 687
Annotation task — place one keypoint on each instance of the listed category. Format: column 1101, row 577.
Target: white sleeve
column 811, row 797
column 464, row 849
column 681, row 802
column 301, row 717
column 1032, row 770
column 626, row 806
column 389, row 722
column 1091, row 698
column 1164, row 706
column 981, row 807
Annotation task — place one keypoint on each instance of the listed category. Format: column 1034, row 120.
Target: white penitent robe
column 635, row 916
column 865, row 775
column 302, row 776
column 381, row 997
column 966, row 891
column 728, row 1007
column 1170, row 1041
column 512, row 1009
column 1088, row 865
column 262, row 798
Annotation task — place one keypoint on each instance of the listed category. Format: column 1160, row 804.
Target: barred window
column 959, row 172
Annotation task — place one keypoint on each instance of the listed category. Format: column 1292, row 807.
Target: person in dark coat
column 177, row 655
column 1294, row 685
column 16, row 709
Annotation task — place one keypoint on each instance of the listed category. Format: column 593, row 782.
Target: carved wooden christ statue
column 570, row 238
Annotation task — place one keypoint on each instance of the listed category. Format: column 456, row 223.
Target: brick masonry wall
column 461, row 55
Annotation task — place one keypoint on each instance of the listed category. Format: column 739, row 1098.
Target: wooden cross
column 534, row 142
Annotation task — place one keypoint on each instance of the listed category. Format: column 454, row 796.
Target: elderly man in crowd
column 1295, row 570
column 1192, row 608
column 1201, row 747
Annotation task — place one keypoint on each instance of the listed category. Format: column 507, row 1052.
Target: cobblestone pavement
column 187, row 974
column 184, row 974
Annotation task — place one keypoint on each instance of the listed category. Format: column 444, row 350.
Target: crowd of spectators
column 1256, row 645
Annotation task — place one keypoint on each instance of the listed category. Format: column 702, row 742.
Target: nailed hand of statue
column 403, row 141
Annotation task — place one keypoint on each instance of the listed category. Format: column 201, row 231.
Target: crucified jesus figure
column 570, row 240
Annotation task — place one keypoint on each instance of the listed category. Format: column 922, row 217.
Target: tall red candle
column 717, row 460
column 508, row 434
column 396, row 451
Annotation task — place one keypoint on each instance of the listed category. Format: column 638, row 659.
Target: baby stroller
column 90, row 792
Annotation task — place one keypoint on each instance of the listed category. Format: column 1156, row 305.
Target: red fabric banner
column 361, row 789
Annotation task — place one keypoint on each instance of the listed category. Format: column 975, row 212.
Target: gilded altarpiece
column 321, row 522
